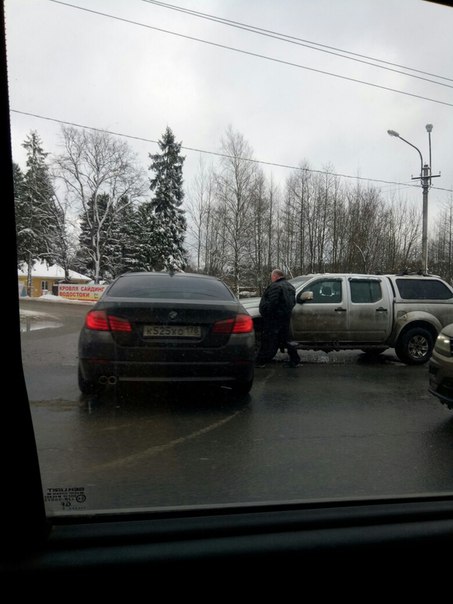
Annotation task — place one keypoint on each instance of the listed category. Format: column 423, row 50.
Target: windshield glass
column 292, row 152
column 297, row 281
column 157, row 286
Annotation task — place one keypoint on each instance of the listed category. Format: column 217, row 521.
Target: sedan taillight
column 239, row 324
column 99, row 320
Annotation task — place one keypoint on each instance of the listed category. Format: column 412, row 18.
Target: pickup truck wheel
column 415, row 346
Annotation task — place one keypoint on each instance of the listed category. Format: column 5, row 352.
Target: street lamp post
column 425, row 179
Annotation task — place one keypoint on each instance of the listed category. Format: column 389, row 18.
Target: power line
column 217, row 154
column 306, row 43
column 253, row 54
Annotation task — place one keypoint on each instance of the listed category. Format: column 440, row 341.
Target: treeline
column 94, row 210
column 243, row 225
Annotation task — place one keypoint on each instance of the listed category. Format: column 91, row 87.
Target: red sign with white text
column 87, row 293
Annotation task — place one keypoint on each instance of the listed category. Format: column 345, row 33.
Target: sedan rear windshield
column 157, row 286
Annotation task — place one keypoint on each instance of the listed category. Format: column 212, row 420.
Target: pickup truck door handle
column 381, row 309
column 340, row 309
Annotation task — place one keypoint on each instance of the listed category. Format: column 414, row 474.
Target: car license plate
column 172, row 331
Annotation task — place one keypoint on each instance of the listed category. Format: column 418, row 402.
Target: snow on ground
column 52, row 298
column 33, row 313
column 40, row 317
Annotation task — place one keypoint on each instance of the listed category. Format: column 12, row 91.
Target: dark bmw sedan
column 172, row 327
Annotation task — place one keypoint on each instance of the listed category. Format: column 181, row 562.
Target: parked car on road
column 441, row 367
column 368, row 312
column 172, row 327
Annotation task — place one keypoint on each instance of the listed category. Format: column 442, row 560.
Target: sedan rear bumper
column 110, row 372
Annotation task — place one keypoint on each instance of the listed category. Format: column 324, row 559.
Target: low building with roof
column 45, row 276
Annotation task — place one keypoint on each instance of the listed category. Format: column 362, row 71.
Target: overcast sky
column 126, row 76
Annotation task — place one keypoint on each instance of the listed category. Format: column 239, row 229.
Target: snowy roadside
column 42, row 318
column 60, row 299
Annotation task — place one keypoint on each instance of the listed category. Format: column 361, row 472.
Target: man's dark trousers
column 274, row 333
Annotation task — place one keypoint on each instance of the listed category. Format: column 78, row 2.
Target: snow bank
column 52, row 298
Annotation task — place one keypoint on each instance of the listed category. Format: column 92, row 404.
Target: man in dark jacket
column 276, row 305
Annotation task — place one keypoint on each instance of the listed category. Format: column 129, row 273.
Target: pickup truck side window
column 325, row 291
column 423, row 289
column 365, row 291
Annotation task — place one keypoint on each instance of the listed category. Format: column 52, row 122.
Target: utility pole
column 425, row 180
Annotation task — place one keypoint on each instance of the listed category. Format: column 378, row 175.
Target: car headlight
column 443, row 345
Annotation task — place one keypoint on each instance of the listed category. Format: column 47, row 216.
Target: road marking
column 152, row 451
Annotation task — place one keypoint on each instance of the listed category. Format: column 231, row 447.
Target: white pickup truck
column 367, row 312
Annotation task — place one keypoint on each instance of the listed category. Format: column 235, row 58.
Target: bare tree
column 94, row 164
column 321, row 223
column 235, row 184
column 402, row 234
column 363, row 226
column 318, row 220
column 288, row 230
column 217, row 253
column 65, row 243
column 200, row 208
column 441, row 248
column 298, row 200
column 260, row 251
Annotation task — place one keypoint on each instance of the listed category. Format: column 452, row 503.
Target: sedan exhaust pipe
column 107, row 380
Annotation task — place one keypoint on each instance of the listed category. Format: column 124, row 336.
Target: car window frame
column 329, row 535
column 322, row 279
column 369, row 281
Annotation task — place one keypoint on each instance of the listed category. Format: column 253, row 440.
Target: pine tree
column 132, row 237
column 170, row 222
column 24, row 232
column 113, row 233
column 143, row 253
column 118, row 246
column 37, row 215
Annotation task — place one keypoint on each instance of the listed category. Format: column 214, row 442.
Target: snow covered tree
column 38, row 217
column 116, row 235
column 118, row 252
column 143, row 237
column 170, row 221
column 22, row 212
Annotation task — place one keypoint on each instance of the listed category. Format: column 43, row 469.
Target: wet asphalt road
column 341, row 426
